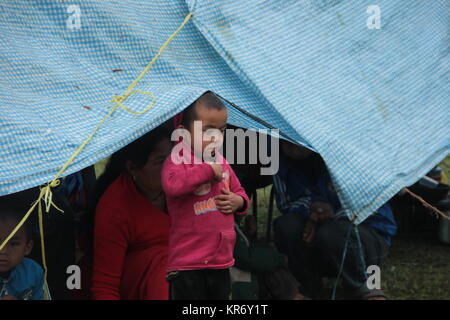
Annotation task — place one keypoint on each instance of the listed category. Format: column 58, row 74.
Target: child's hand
column 228, row 202
column 217, row 171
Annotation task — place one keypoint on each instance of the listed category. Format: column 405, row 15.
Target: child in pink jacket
column 202, row 199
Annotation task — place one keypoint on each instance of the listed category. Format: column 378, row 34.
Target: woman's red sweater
column 130, row 245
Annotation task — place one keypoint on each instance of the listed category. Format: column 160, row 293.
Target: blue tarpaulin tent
column 372, row 102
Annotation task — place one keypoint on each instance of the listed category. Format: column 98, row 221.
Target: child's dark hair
column 14, row 207
column 137, row 152
column 209, row 99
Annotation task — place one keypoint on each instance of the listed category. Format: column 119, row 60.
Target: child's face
column 210, row 118
column 16, row 248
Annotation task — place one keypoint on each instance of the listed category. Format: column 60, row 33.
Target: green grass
column 100, row 167
column 417, row 268
column 445, row 165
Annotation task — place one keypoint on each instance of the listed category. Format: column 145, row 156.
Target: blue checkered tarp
column 373, row 102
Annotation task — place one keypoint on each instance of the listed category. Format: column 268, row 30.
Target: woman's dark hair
column 137, row 152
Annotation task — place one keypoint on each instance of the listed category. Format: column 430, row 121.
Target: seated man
column 312, row 230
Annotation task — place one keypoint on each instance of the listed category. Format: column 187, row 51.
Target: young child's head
column 11, row 212
column 213, row 115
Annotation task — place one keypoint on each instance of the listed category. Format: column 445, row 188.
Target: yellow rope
column 46, row 193
column 44, row 261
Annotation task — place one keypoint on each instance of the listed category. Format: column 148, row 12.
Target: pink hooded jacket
column 201, row 237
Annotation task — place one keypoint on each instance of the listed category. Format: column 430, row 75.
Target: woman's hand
column 228, row 202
